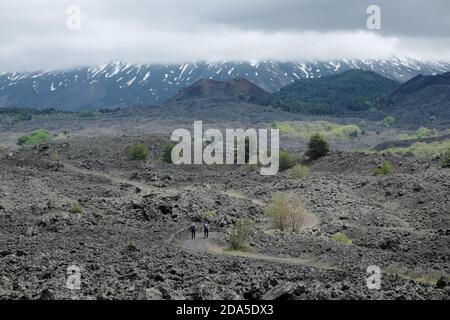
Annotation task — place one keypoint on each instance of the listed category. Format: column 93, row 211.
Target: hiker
column 193, row 228
column 205, row 230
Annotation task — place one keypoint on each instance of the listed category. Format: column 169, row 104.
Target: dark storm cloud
column 33, row 34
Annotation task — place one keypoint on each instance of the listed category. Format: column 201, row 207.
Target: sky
column 45, row 34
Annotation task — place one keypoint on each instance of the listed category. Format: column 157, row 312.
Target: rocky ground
column 130, row 238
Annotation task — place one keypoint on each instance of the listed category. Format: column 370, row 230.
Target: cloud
column 33, row 35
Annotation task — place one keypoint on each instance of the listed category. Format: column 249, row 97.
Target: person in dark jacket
column 193, row 228
column 205, row 230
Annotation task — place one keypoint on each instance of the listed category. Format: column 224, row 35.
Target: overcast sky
column 34, row 33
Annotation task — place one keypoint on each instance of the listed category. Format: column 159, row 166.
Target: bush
column 138, row 151
column 36, row 137
column 286, row 213
column 287, row 160
column 389, row 121
column 239, row 236
column 76, row 209
column 446, row 161
column 299, row 171
column 167, row 152
column 210, row 214
column 54, row 156
column 317, row 147
column 342, row 238
column 385, row 168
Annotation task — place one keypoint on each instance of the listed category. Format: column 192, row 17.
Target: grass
column 76, row 209
column 329, row 130
column 421, row 150
column 385, row 168
column 299, row 171
column 341, row 237
column 36, row 137
column 420, row 133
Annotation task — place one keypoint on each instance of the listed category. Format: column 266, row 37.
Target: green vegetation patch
column 139, row 151
column 329, row 130
column 342, row 238
column 36, row 137
column 385, row 168
column 299, row 171
column 421, row 150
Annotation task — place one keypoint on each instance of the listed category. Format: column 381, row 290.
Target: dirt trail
column 120, row 180
column 208, row 246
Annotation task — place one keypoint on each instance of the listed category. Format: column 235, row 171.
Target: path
column 207, row 245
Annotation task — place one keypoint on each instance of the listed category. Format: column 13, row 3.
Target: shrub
column 76, row 209
column 299, row 171
column 385, row 168
column 342, row 238
column 317, row 147
column 210, row 214
column 167, row 152
column 36, row 137
column 446, row 161
column 286, row 213
column 287, row 160
column 389, row 121
column 239, row 236
column 54, row 156
column 138, row 151
column 423, row 132
column 3, row 148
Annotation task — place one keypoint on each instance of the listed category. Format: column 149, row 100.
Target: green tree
column 317, row 147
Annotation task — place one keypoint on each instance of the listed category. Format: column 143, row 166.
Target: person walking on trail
column 205, row 230
column 193, row 228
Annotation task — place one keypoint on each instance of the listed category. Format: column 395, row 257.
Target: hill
column 236, row 89
column 119, row 84
column 423, row 99
column 342, row 94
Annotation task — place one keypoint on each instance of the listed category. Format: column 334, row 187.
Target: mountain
column 423, row 100
column 235, row 89
column 119, row 84
column 348, row 92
